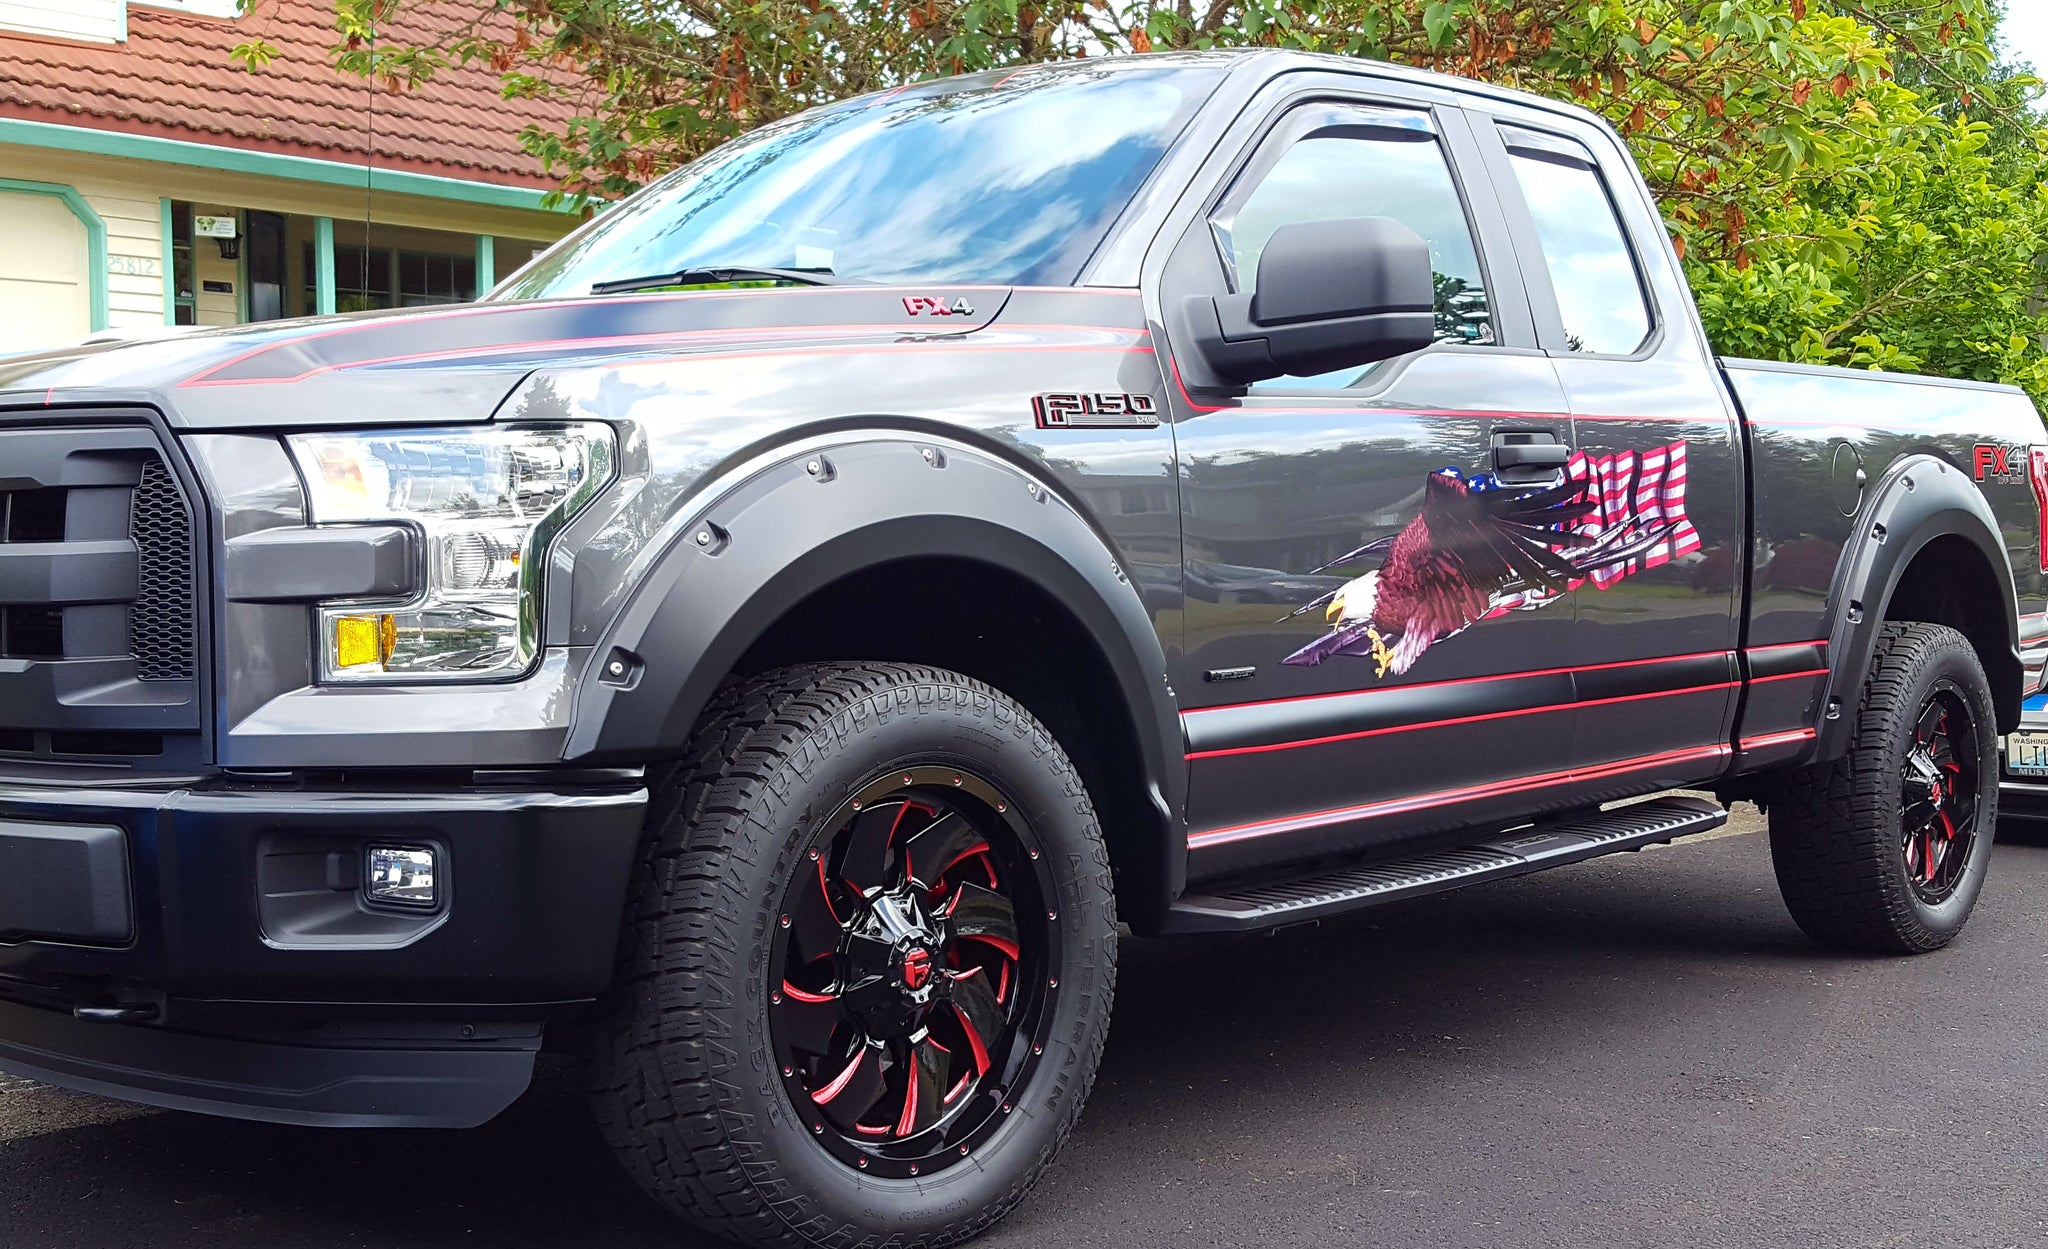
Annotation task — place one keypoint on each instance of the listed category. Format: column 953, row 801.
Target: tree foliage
column 1848, row 182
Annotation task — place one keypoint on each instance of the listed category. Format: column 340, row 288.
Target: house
column 146, row 179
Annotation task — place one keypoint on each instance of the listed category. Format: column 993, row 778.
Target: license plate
column 2026, row 754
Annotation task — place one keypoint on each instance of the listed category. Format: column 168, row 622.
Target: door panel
column 1658, row 630
column 1302, row 740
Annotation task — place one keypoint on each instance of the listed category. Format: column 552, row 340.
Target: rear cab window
column 1592, row 269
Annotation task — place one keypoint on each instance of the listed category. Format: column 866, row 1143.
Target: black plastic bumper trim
column 268, row 1082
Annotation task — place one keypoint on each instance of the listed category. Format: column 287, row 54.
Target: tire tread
column 1833, row 831
column 654, row 1076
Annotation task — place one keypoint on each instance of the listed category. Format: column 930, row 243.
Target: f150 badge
column 1075, row 410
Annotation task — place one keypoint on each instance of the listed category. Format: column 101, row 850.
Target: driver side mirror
column 1331, row 295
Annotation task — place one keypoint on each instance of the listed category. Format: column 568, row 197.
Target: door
column 1326, row 714
column 1659, row 608
column 265, row 264
column 45, row 290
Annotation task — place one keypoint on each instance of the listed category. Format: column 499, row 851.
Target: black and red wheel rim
column 911, row 979
column 1939, row 787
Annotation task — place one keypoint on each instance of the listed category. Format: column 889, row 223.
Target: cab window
column 1592, row 270
column 1363, row 162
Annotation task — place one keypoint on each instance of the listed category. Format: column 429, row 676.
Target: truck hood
column 459, row 363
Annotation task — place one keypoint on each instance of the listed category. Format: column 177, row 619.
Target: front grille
column 99, row 628
column 161, row 629
column 65, row 545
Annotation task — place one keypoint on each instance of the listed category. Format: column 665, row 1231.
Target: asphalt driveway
column 1639, row 1051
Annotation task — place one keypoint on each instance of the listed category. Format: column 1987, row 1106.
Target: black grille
column 161, row 622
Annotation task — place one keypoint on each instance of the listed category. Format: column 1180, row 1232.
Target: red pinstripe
column 1431, row 685
column 1778, row 739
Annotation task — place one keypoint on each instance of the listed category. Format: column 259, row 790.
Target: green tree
column 1854, row 183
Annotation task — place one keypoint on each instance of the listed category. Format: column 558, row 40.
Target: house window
column 396, row 277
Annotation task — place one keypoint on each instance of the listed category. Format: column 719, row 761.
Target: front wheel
column 1887, row 848
column 868, row 963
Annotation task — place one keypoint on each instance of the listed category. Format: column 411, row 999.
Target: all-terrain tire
column 683, row 1076
column 1836, row 829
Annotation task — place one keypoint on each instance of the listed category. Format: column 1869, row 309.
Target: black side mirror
column 1331, row 295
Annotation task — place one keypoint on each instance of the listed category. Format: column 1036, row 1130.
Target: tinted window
column 999, row 178
column 1591, row 269
column 1391, row 166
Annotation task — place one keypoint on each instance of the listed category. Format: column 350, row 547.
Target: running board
column 1532, row 849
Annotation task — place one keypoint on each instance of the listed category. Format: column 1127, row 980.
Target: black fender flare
column 788, row 525
column 1919, row 498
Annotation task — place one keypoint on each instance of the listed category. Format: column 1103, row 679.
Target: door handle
column 1531, row 458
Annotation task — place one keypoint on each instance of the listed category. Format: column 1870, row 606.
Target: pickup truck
column 770, row 643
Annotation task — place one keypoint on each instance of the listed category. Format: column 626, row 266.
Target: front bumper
column 253, row 980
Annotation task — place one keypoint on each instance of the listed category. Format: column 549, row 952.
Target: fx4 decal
column 1073, row 410
column 2010, row 465
column 936, row 306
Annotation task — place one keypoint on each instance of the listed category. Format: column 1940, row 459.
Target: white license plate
column 2026, row 754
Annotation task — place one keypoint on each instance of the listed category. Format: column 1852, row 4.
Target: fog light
column 402, row 876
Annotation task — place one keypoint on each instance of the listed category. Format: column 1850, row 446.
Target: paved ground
column 1640, row 1051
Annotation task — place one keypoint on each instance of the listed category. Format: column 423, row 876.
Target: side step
column 1552, row 844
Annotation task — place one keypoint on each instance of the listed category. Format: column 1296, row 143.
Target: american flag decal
column 1642, row 504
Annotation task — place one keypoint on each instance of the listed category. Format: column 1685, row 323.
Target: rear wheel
column 1887, row 848
column 868, row 967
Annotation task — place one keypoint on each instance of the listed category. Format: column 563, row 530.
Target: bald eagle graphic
column 1481, row 548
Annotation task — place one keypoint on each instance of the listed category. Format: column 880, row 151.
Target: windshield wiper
column 719, row 273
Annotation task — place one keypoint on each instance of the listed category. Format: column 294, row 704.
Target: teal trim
column 170, row 267
column 95, row 238
column 486, row 264
column 323, row 266
column 241, row 268
column 263, row 164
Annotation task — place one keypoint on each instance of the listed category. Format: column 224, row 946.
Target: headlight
column 487, row 502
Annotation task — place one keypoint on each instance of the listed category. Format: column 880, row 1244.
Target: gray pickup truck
column 770, row 643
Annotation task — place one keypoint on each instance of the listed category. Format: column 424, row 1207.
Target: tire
column 694, row 1077
column 1858, row 867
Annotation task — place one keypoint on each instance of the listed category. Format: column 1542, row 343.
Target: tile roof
column 173, row 79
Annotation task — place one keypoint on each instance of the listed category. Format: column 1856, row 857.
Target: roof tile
column 173, row 78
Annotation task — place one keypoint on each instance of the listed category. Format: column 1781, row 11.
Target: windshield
column 1004, row 179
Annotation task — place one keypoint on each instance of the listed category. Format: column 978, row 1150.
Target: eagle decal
column 1481, row 548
